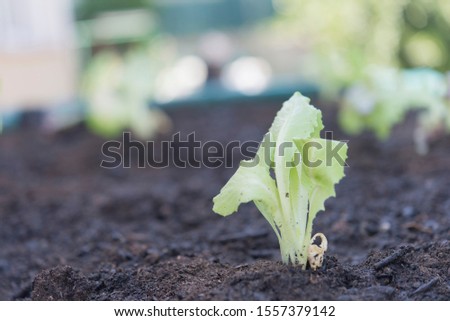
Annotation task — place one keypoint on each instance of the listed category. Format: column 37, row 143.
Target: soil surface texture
column 71, row 230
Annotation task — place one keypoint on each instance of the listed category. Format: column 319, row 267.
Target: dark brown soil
column 73, row 231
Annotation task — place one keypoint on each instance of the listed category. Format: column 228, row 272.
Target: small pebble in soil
column 431, row 225
column 408, row 211
column 385, row 226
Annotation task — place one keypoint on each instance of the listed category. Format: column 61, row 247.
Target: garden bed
column 71, row 230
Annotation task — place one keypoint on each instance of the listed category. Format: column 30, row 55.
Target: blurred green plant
column 344, row 37
column 425, row 37
column 117, row 90
column 383, row 97
column 349, row 40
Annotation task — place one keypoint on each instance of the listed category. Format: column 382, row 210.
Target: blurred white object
column 187, row 75
column 361, row 98
column 38, row 65
column 248, row 75
column 216, row 48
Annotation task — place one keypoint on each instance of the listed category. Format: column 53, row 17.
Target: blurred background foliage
column 90, row 9
column 344, row 37
column 335, row 40
column 133, row 54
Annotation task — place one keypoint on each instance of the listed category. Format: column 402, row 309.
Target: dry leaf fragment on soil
column 316, row 250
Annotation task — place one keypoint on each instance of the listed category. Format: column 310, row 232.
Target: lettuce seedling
column 305, row 168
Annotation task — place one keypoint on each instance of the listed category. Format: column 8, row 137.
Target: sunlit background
column 120, row 63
